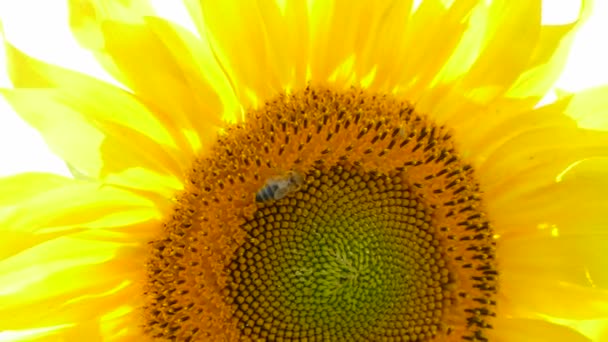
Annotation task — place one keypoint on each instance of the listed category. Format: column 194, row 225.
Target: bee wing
column 296, row 178
column 281, row 191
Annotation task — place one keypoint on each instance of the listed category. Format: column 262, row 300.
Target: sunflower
column 308, row 171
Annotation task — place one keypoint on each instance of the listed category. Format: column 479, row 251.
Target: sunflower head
column 360, row 242
column 308, row 171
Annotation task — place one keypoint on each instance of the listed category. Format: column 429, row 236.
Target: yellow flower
column 308, row 170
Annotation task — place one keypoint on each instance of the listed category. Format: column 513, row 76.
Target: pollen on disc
column 327, row 215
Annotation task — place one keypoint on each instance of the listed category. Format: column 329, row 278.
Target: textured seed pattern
column 385, row 240
column 352, row 256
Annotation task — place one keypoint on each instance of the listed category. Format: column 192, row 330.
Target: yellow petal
column 547, row 61
column 121, row 112
column 29, row 72
column 86, row 17
column 70, row 209
column 531, row 294
column 570, row 203
column 470, row 89
column 88, row 330
column 590, row 108
column 334, row 28
column 506, row 20
column 287, row 32
column 577, row 259
column 422, row 58
column 96, row 145
column 202, row 73
column 596, row 329
column 549, row 57
column 381, row 52
column 73, row 204
column 549, row 203
column 14, row 242
column 532, row 330
column 163, row 81
column 72, row 295
column 236, row 32
column 529, row 150
column 559, row 231
column 124, row 327
column 21, row 188
column 16, row 188
column 80, row 148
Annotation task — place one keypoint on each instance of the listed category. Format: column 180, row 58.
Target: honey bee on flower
column 277, row 187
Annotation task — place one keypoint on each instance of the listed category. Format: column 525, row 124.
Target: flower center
column 352, row 255
column 327, row 215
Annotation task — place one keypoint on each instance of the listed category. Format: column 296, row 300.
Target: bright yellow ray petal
column 29, row 72
column 21, row 189
column 547, row 61
column 124, row 328
column 532, row 210
column 577, row 259
column 590, row 108
column 507, row 19
column 72, row 295
column 86, row 17
column 287, row 32
column 531, row 330
column 70, row 204
column 17, row 241
column 598, row 329
column 70, row 209
column 39, row 334
column 336, row 29
column 31, row 266
column 80, row 148
column 124, row 34
column 16, row 188
column 381, row 52
column 463, row 97
column 530, row 149
column 88, row 330
column 78, row 254
column 366, row 34
column 500, row 60
column 528, row 294
column 152, row 71
column 202, row 73
column 119, row 147
column 236, row 32
column 123, row 324
column 110, row 110
column 558, row 232
column 416, row 68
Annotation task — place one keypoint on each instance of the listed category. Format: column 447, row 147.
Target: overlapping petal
column 70, row 208
column 508, row 330
column 165, row 80
column 86, row 17
column 506, row 71
column 111, row 130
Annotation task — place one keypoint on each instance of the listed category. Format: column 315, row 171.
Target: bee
column 278, row 187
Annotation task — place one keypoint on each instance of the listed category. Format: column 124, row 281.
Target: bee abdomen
column 266, row 193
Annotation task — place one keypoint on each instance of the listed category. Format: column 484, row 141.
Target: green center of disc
column 351, row 255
